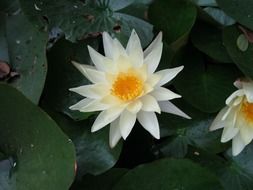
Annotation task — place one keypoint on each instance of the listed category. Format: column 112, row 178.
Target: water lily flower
column 125, row 87
column 237, row 117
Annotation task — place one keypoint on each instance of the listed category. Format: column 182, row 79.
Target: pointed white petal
column 154, row 44
column 217, row 122
column 153, row 79
column 248, row 89
column 109, row 47
column 238, row 84
column 168, row 107
column 106, row 117
column 228, row 133
column 246, row 128
column 153, row 58
column 134, row 107
column 149, row 103
column 168, row 74
column 95, row 91
column 95, row 105
column 134, row 50
column 114, row 135
column 149, row 122
column 127, row 121
column 79, row 105
column 237, row 145
column 162, row 94
column 234, row 95
column 119, row 46
column 102, row 63
column 90, row 73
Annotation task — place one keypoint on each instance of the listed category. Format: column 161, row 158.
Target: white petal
column 248, row 89
column 238, row 84
column 134, row 50
column 237, row 145
column 102, row 63
column 228, row 133
column 95, row 105
column 95, row 91
column 245, row 126
column 149, row 103
column 90, row 73
column 119, row 47
column 109, row 47
column 106, row 117
column 162, row 94
column 134, row 107
column 168, row 107
column 153, row 79
column 168, row 74
column 154, row 44
column 114, row 135
column 153, row 58
column 149, row 122
column 127, row 121
column 79, row 105
column 217, row 122
column 234, row 95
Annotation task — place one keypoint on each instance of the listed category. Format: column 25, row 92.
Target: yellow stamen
column 127, row 86
column 247, row 110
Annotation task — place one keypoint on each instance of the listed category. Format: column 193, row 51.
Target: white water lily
column 125, row 87
column 237, row 117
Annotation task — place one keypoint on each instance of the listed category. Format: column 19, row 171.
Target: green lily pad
column 27, row 55
column 93, row 153
column 62, row 75
column 210, row 42
column 204, row 85
column 175, row 18
column 106, row 180
column 182, row 132
column 44, row 157
column 79, row 20
column 168, row 174
column 241, row 11
column 243, row 59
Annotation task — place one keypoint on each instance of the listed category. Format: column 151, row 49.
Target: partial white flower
column 125, row 87
column 237, row 117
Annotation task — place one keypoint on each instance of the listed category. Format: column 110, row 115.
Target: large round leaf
column 240, row 10
column 174, row 17
column 93, row 153
column 27, row 55
column 184, row 132
column 168, row 174
column 243, row 59
column 210, row 42
column 204, row 85
column 78, row 20
column 43, row 155
column 62, row 75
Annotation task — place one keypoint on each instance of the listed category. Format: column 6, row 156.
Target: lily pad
column 175, row 18
column 210, row 42
column 168, row 174
column 79, row 20
column 241, row 11
column 204, row 85
column 93, row 153
column 62, row 75
column 27, row 55
column 44, row 157
column 243, row 59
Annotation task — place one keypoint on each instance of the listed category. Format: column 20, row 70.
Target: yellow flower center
column 127, row 86
column 247, row 110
